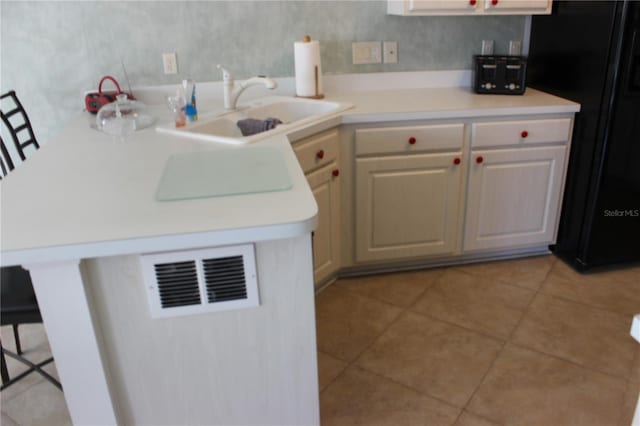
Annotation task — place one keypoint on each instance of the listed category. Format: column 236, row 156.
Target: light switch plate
column 390, row 50
column 366, row 52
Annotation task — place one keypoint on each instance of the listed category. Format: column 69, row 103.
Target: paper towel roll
column 308, row 69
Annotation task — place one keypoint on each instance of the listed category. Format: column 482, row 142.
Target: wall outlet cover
column 390, row 50
column 170, row 63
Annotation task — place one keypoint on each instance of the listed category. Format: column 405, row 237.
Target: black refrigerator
column 589, row 52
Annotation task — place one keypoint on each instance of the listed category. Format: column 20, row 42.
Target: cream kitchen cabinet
column 318, row 157
column 408, row 189
column 516, row 178
column 517, row 7
column 468, row 7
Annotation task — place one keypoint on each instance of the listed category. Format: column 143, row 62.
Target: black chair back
column 17, row 123
column 6, row 164
column 18, row 303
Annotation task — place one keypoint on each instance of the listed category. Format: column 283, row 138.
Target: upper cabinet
column 468, row 7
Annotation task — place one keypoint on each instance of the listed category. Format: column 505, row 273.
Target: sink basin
column 291, row 111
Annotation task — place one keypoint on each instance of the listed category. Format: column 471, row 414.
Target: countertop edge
column 357, row 118
column 163, row 243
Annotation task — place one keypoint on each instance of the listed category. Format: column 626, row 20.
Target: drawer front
column 408, row 139
column 557, row 130
column 317, row 151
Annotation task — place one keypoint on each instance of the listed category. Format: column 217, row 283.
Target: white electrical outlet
column 170, row 63
column 366, row 52
column 390, row 49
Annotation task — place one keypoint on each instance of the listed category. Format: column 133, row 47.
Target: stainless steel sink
column 293, row 112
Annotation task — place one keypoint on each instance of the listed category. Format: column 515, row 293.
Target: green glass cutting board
column 246, row 170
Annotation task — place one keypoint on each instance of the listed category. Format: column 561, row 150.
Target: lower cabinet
column 326, row 238
column 319, row 159
column 407, row 206
column 513, row 196
column 442, row 189
column 409, row 191
column 450, row 189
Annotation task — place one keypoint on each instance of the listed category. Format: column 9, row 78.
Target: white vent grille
column 225, row 279
column 177, row 284
column 200, row 281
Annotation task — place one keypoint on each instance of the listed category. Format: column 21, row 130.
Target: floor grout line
column 404, row 311
column 371, row 297
column 503, row 282
column 599, row 308
column 421, row 392
column 353, row 361
column 465, row 328
column 504, row 343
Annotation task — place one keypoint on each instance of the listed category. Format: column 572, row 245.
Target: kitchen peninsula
column 82, row 212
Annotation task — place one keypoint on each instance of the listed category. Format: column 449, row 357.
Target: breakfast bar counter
column 82, row 210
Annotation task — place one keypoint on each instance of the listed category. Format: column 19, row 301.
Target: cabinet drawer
column 318, row 150
column 557, row 130
column 409, row 139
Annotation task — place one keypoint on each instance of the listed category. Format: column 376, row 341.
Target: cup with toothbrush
column 190, row 110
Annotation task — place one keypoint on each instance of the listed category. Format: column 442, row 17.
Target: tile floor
column 520, row 342
column 32, row 400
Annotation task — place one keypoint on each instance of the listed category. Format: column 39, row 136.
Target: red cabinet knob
column 336, row 173
column 412, row 140
column 320, row 154
column 494, row 2
column 524, row 134
column 479, row 159
column 472, row 2
column 456, row 161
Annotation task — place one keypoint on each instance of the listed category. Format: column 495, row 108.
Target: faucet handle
column 226, row 75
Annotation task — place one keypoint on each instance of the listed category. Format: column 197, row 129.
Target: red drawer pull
column 524, row 134
column 336, row 173
column 412, row 140
column 494, row 2
column 479, row 159
column 320, row 154
column 472, row 2
column 456, row 161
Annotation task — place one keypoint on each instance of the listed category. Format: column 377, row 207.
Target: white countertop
column 450, row 102
column 85, row 195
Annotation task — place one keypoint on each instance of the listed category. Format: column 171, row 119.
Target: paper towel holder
column 307, row 39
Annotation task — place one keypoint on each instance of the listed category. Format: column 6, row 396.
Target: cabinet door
column 468, row 7
column 407, row 206
column 518, row 6
column 326, row 238
column 441, row 5
column 513, row 197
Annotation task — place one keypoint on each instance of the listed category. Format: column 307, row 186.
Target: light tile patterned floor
column 521, row 342
column 32, row 400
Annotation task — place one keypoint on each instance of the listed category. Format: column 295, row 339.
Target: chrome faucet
column 231, row 95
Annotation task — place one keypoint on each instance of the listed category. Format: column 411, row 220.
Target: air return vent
column 200, row 281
